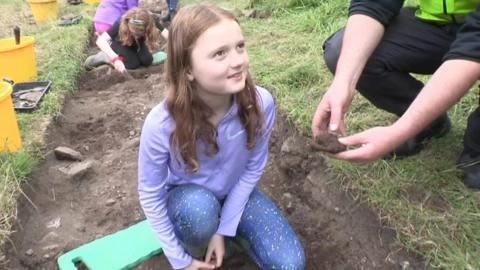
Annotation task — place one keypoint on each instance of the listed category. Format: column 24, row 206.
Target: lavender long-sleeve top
column 108, row 11
column 231, row 174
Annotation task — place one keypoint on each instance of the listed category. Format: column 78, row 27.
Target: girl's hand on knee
column 215, row 250
column 198, row 265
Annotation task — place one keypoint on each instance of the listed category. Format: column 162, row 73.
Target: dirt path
column 103, row 119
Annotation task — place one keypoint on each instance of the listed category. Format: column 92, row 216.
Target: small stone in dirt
column 131, row 133
column 78, row 169
column 80, row 228
column 133, row 142
column 100, row 130
column 50, row 247
column 390, row 260
column 110, row 210
column 287, row 195
column 29, row 252
column 54, row 223
column 327, row 142
column 406, row 265
column 65, row 153
column 289, row 205
column 46, row 256
column 110, row 202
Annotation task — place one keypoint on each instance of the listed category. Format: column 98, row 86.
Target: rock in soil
column 77, row 170
column 65, row 153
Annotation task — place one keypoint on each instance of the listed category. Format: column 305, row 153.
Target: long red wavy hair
column 151, row 32
column 189, row 112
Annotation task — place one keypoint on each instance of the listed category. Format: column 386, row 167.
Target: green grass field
column 286, row 57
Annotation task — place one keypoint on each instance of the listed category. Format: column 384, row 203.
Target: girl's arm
column 238, row 197
column 152, row 172
column 157, row 19
column 103, row 42
column 132, row 4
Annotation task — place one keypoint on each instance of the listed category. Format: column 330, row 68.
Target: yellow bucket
column 43, row 9
column 17, row 62
column 9, row 133
column 92, row 2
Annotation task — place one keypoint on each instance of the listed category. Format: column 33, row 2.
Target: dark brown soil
column 103, row 119
column 327, row 142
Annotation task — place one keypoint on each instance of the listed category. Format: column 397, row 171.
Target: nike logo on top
column 233, row 136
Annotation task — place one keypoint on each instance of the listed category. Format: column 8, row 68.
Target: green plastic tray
column 118, row 251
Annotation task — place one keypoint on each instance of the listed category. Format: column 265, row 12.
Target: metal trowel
column 127, row 75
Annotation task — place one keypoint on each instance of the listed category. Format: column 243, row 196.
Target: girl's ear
column 190, row 76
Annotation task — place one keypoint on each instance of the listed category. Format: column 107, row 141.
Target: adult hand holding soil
column 361, row 37
column 199, row 265
column 331, row 109
column 216, row 250
column 375, row 143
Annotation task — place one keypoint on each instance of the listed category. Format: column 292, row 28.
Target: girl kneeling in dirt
column 129, row 43
column 204, row 148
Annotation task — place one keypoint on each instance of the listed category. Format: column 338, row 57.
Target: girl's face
column 219, row 62
column 136, row 30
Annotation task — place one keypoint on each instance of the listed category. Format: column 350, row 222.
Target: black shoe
column 469, row 163
column 414, row 145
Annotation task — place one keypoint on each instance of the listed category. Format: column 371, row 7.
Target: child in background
column 172, row 9
column 203, row 149
column 108, row 12
column 129, row 43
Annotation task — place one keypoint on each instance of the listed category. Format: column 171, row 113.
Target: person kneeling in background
column 129, row 43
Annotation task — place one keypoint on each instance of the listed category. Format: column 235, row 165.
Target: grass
column 421, row 197
column 60, row 52
column 14, row 170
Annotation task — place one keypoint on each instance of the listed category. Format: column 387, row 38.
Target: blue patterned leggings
column 263, row 231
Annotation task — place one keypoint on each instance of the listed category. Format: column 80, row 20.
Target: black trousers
column 134, row 57
column 409, row 45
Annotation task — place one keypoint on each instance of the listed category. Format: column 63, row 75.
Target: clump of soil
column 328, row 142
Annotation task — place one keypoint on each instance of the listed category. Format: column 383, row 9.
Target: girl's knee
column 145, row 59
column 292, row 261
column 194, row 211
column 195, row 200
column 131, row 62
